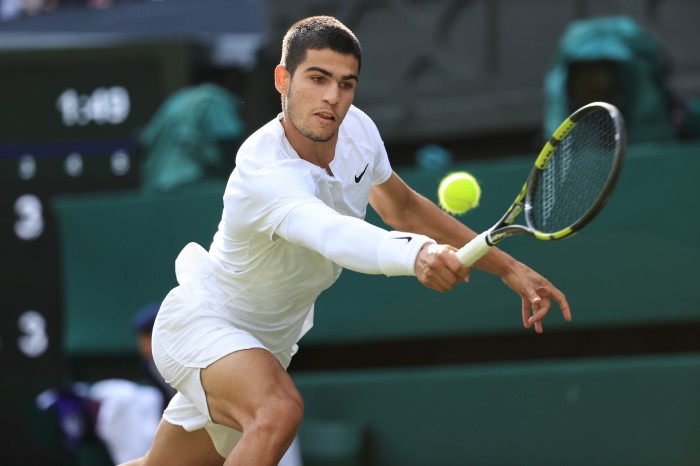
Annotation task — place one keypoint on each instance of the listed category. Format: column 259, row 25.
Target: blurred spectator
column 14, row 9
column 142, row 323
column 32, row 7
column 613, row 59
column 129, row 412
column 99, row 3
column 127, row 416
column 10, row 9
column 121, row 414
column 72, row 409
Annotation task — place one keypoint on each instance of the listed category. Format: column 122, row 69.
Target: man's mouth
column 326, row 116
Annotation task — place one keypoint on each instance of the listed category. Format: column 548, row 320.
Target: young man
column 292, row 220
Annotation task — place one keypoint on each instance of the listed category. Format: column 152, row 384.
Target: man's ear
column 282, row 79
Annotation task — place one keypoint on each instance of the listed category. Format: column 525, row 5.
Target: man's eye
column 317, row 79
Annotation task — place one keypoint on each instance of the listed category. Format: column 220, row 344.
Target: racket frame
column 549, row 150
column 482, row 243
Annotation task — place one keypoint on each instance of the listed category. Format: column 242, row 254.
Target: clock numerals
column 105, row 105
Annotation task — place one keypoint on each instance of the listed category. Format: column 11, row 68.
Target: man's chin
column 322, row 137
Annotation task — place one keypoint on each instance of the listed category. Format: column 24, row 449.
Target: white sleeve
column 350, row 242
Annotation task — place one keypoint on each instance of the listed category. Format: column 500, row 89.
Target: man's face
column 320, row 93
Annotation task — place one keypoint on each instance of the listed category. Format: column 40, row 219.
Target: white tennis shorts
column 184, row 342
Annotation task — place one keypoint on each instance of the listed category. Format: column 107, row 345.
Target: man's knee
column 288, row 410
column 281, row 415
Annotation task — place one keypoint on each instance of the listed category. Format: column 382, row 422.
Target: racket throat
column 511, row 215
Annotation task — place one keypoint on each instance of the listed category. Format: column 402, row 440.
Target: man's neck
column 317, row 153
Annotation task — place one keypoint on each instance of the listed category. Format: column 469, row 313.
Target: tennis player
column 292, row 220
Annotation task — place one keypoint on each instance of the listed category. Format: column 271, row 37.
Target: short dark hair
column 318, row 33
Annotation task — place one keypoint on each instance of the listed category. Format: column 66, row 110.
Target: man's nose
column 332, row 94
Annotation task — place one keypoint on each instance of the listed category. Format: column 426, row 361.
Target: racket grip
column 475, row 249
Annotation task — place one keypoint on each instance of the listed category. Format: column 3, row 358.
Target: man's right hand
column 438, row 268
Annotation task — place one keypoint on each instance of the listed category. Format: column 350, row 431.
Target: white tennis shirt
column 287, row 230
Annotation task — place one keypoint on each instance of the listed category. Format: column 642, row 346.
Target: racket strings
column 576, row 176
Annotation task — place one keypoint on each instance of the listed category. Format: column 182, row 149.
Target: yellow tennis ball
column 459, row 192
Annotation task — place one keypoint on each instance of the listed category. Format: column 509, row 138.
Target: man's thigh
column 238, row 385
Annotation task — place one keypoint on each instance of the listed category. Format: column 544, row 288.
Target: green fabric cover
column 644, row 68
column 183, row 142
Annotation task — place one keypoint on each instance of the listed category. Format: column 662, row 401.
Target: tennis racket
column 573, row 178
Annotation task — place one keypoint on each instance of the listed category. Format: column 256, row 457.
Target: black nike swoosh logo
column 359, row 177
column 407, row 238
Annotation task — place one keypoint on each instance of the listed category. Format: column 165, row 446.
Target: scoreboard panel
column 69, row 123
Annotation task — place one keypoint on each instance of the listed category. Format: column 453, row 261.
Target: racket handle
column 475, row 249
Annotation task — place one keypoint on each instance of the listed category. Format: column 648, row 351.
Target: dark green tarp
column 614, row 59
column 186, row 141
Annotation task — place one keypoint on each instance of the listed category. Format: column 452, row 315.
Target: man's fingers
column 525, row 309
column 563, row 303
column 539, row 308
column 451, row 270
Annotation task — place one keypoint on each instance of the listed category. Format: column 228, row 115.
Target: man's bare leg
column 251, row 392
column 174, row 446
